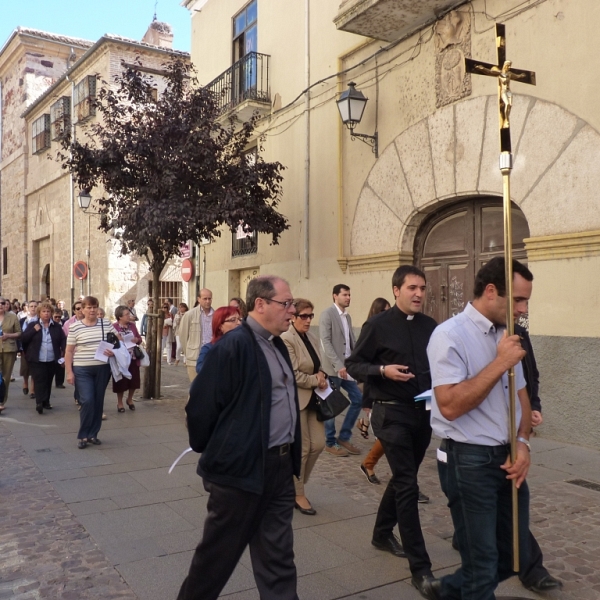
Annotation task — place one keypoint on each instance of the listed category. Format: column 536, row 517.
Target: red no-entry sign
column 80, row 270
column 187, row 270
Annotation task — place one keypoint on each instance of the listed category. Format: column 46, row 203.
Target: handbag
column 331, row 406
column 137, row 353
column 145, row 361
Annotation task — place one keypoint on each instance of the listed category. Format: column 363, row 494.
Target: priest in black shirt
column 391, row 354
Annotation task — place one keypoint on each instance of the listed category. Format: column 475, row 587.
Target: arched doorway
column 454, row 243
column 45, row 283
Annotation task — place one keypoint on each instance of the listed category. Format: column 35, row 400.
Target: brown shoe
column 352, row 449
column 336, row 450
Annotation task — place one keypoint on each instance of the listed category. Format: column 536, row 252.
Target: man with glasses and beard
column 243, row 418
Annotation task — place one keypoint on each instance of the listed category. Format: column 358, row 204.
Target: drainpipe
column 307, row 149
column 71, row 190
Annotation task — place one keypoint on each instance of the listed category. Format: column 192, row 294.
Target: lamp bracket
column 370, row 140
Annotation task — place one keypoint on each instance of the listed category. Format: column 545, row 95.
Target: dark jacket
column 229, row 410
column 32, row 341
column 530, row 370
column 390, row 338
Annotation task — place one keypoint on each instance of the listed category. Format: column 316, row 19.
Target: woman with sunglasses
column 303, row 347
column 224, row 320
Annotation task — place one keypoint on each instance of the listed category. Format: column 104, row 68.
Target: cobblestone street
column 108, row 522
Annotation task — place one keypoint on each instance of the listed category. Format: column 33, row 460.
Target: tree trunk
column 153, row 341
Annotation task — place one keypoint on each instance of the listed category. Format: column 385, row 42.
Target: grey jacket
column 333, row 341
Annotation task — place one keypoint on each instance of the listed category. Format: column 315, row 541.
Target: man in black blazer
column 391, row 354
column 243, row 417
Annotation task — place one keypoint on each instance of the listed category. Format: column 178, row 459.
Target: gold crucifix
column 505, row 73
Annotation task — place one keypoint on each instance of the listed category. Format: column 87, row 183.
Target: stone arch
column 453, row 154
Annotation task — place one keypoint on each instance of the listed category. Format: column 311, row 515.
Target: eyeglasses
column 306, row 317
column 285, row 304
column 234, row 320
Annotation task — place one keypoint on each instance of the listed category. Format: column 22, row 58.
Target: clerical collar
column 403, row 314
column 259, row 329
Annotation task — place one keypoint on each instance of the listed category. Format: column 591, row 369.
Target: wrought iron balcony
column 246, row 81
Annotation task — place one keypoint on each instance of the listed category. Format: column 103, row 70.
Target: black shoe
column 60, row 387
column 423, row 499
column 389, row 544
column 39, row 408
column 81, row 444
column 32, row 396
column 25, row 391
column 429, row 587
column 370, row 478
column 94, row 441
column 305, row 511
column 48, row 406
column 545, row 584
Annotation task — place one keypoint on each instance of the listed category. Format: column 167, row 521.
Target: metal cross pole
column 504, row 72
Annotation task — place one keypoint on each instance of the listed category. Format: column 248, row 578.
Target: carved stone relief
column 453, row 44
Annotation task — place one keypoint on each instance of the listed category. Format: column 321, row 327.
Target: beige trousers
column 313, row 442
column 191, row 369
column 7, row 362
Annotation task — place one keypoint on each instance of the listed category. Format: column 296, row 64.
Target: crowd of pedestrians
column 260, row 375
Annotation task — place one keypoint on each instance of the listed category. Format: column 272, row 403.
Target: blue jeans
column 355, row 396
column 479, row 498
column 91, row 385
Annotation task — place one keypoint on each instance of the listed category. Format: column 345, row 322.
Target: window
column 40, row 134
column 5, row 261
column 60, row 117
column 168, row 289
column 244, row 52
column 85, row 92
column 244, row 31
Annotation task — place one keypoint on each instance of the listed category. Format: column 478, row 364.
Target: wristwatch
column 526, row 442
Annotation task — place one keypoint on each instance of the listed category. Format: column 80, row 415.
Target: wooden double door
column 453, row 244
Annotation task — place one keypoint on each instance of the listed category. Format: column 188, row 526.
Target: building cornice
column 565, row 245
column 387, row 261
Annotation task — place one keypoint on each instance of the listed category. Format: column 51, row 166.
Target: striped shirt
column 86, row 339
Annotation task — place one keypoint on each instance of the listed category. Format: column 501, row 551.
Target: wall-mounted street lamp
column 351, row 105
column 84, row 199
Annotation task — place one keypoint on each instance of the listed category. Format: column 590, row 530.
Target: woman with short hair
column 224, row 320
column 303, row 348
column 44, row 344
column 91, row 374
column 126, row 327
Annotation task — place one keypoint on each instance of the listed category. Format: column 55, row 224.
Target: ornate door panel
column 453, row 244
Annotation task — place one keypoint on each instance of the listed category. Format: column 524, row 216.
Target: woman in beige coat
column 303, row 347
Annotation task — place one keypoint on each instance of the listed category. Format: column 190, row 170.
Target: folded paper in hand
column 426, row 396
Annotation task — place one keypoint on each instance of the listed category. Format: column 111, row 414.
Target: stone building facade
column 44, row 232
column 432, row 195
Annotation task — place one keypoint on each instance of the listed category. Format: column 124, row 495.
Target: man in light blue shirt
column 469, row 356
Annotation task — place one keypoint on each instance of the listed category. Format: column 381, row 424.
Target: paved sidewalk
column 109, row 522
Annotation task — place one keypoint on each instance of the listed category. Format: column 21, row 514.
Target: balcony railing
column 244, row 245
column 247, row 79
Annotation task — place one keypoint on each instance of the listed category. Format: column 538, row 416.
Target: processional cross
column 505, row 73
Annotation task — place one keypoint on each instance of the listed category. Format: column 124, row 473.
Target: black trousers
column 405, row 432
column 59, row 375
column 42, row 374
column 237, row 519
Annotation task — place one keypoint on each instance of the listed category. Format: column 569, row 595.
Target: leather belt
column 279, row 450
column 417, row 405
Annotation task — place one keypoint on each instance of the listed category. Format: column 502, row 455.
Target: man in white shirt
column 337, row 342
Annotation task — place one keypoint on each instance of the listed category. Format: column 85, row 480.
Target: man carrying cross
column 469, row 356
